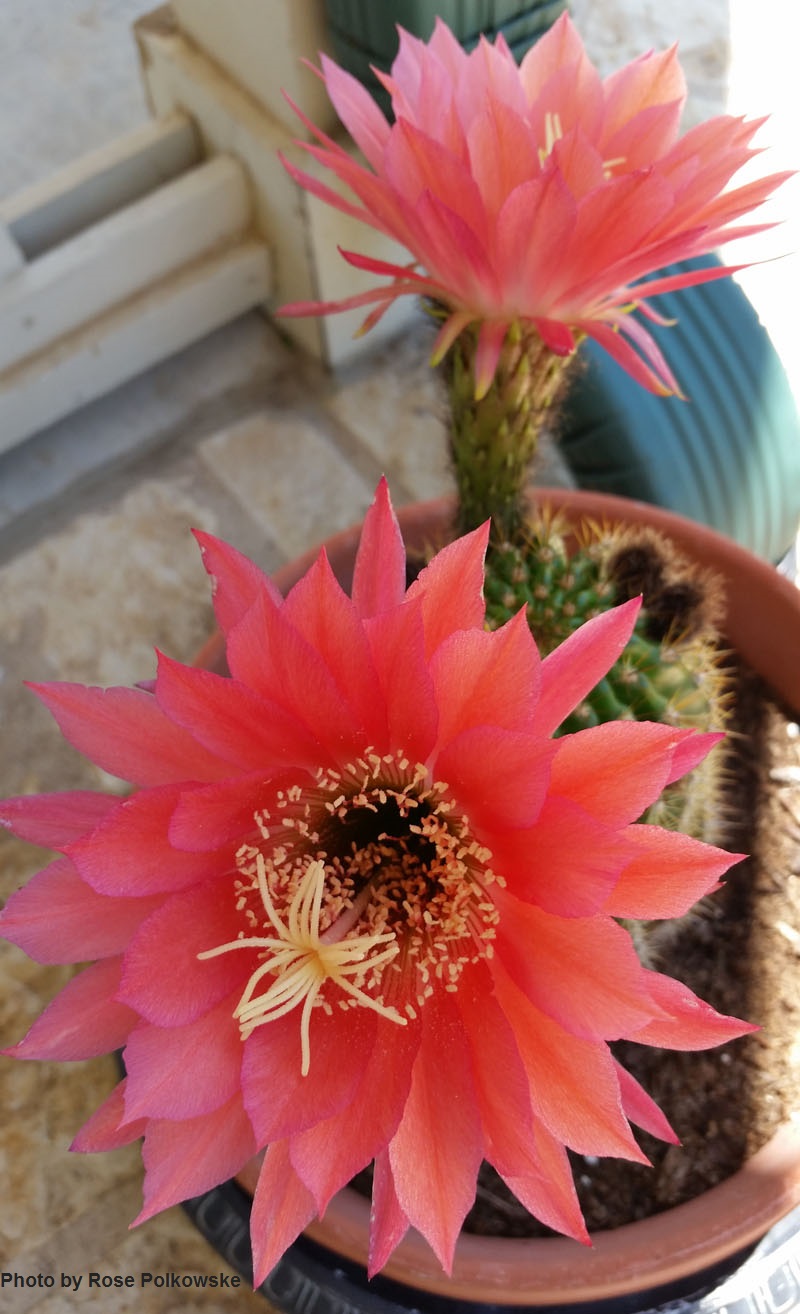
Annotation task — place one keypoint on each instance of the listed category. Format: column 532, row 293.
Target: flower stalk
column 494, row 438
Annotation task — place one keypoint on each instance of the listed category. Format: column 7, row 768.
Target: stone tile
column 293, row 481
column 168, row 405
column 394, row 403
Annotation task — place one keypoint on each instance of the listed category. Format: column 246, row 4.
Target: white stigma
column 302, row 960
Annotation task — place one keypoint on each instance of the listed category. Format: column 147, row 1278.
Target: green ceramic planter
column 729, row 457
column 364, row 32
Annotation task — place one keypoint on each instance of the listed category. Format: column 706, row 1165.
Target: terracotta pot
column 692, row 1245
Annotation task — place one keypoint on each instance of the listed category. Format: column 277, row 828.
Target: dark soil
column 740, row 950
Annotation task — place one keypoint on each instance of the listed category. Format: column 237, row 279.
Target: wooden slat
column 93, row 187
column 132, row 337
column 11, row 258
column 121, row 256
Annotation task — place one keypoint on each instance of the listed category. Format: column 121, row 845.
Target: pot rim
column 763, row 624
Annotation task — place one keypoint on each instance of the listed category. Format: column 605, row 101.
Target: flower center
column 365, row 889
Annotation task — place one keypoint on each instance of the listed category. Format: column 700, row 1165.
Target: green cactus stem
column 494, row 438
column 671, row 671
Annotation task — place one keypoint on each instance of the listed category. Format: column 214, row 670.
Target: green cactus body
column 671, row 671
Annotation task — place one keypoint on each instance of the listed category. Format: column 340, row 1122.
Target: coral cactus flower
column 539, row 193
column 362, row 905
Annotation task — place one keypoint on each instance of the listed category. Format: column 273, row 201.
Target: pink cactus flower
column 358, row 880
column 539, row 193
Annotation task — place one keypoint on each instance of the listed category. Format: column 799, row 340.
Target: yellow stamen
column 302, row 961
column 553, row 132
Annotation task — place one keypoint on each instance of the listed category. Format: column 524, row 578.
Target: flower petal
column 500, row 777
column 83, row 1021
column 485, row 678
column 129, row 853
column 183, row 1072
column 451, row 588
column 279, row 1100
column 185, row 1159
column 247, row 731
column 52, row 820
column 690, row 1023
column 669, row 873
column 567, row 864
column 616, row 770
column 125, row 732
column 572, row 669
column 435, row 1189
column 329, row 1154
column 107, row 1128
column 573, row 1084
column 282, row 1207
column 236, row 580
column 163, row 979
column 58, row 918
column 388, row 1222
column 379, row 575
column 527, row 1157
column 584, row 974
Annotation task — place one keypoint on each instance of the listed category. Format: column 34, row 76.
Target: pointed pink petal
column 691, row 1023
column 379, row 576
column 357, row 110
column 451, row 588
column 533, row 1163
column 107, row 1128
column 572, row 669
column 491, row 337
column 668, row 875
column 83, row 1020
column 212, row 816
column 129, row 853
column 485, row 678
column 397, row 640
column 415, row 164
column 641, row 1110
column 663, row 383
column 327, row 619
column 183, row 1072
column 388, row 1223
column 500, row 777
column 691, row 751
column 54, row 819
column 163, row 979
column 453, row 326
column 247, row 731
column 282, row 1207
column 125, row 732
column 58, row 918
column 329, row 1154
column 279, row 1100
column 568, row 863
column 573, row 1084
column 435, row 1189
column 236, row 581
column 267, row 653
column 184, row 1159
column 585, row 974
column 616, row 770
column 654, row 80
column 533, row 226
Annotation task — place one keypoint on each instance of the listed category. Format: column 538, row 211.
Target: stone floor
column 239, row 436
